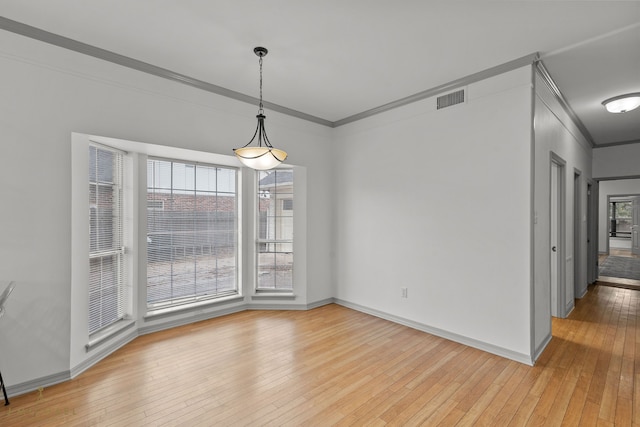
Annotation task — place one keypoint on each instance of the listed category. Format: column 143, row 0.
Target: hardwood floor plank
column 589, row 415
column 490, row 416
column 336, row 366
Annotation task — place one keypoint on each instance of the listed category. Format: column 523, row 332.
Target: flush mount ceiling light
column 622, row 103
column 260, row 157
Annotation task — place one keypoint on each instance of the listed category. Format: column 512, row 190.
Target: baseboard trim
column 320, row 303
column 584, row 292
column 569, row 308
column 303, row 307
column 276, row 307
column 460, row 339
column 50, row 380
column 36, row 384
column 99, row 354
column 541, row 347
column 149, row 329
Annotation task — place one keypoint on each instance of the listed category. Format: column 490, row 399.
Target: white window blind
column 106, row 243
column 192, row 232
column 275, row 230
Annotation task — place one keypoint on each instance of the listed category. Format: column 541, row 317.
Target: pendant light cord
column 260, row 109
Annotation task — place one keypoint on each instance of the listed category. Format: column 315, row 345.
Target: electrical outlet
column 404, row 292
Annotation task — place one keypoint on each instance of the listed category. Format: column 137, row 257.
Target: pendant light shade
column 262, row 156
column 622, row 103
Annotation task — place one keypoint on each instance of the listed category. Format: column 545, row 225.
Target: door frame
column 592, row 231
column 560, row 219
column 629, row 196
column 635, row 225
column 578, row 268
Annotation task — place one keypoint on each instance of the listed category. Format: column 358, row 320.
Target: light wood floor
column 335, row 366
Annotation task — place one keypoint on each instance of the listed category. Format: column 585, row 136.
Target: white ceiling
column 336, row 58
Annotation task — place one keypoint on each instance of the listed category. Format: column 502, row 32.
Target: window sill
column 109, row 332
column 163, row 312
column 273, row 296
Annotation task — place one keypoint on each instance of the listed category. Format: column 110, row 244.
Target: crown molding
column 125, row 61
column 546, row 77
column 616, row 143
column 106, row 55
column 454, row 84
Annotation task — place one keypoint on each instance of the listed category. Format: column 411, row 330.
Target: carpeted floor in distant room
column 616, row 266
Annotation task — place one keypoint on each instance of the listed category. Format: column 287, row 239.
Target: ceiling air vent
column 450, row 99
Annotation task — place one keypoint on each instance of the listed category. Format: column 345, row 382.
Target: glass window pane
column 226, row 180
column 192, row 239
column 106, row 262
column 158, row 174
column 205, row 178
column 275, row 229
column 183, row 177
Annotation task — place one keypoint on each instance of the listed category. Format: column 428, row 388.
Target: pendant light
column 263, row 156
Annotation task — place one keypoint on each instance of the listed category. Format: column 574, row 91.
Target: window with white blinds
column 106, row 238
column 275, row 230
column 192, row 232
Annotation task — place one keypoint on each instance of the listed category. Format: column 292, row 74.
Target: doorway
column 635, row 226
column 578, row 280
column 592, row 232
column 619, row 240
column 556, row 250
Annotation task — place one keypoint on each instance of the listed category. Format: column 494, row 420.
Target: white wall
column 47, row 94
column 619, row 243
column 439, row 202
column 620, row 187
column 556, row 133
column 620, row 161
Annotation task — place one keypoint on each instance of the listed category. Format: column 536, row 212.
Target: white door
column 635, row 226
column 554, row 238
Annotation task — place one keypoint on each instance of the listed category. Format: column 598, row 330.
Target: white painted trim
column 191, row 307
column 125, row 61
column 532, row 220
column 50, row 380
column 613, row 144
column 103, row 336
column 562, row 233
column 273, row 296
column 447, row 87
column 320, row 303
column 276, row 306
column 583, row 293
column 98, row 355
column 37, row 383
column 569, row 308
column 460, row 339
column 543, row 345
column 548, row 80
column 143, row 330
